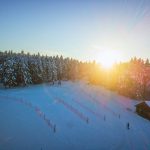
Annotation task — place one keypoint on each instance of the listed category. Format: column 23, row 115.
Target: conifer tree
column 9, row 74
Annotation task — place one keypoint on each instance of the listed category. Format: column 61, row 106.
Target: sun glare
column 108, row 58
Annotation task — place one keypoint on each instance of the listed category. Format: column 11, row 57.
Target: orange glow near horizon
column 108, row 58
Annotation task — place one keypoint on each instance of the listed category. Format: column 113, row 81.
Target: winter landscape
column 74, row 75
column 84, row 116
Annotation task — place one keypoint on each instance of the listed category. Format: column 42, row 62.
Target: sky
column 82, row 29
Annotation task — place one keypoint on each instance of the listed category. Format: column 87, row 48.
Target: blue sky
column 80, row 29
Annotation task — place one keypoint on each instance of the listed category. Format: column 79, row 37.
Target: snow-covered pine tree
column 1, row 66
column 50, row 69
column 65, row 68
column 45, row 69
column 39, row 67
column 34, row 70
column 60, row 67
column 23, row 72
column 9, row 74
column 54, row 69
column 1, row 72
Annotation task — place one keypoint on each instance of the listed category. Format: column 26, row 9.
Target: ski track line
column 40, row 114
column 97, row 101
column 123, row 102
column 70, row 107
column 85, row 107
column 35, row 108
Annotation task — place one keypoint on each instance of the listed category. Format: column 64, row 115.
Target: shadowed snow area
column 74, row 116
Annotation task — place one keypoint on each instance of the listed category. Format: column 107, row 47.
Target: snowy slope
column 73, row 116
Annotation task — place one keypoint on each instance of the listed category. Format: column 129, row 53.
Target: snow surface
column 74, row 116
column 148, row 103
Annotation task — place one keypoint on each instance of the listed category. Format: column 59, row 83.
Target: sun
column 108, row 58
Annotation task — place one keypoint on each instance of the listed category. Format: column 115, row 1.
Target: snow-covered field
column 73, row 116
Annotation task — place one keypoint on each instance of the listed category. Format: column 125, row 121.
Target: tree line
column 20, row 69
column 130, row 78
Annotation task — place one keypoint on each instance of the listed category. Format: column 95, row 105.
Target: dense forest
column 131, row 78
column 20, row 69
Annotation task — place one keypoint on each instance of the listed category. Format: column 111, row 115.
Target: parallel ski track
column 35, row 108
